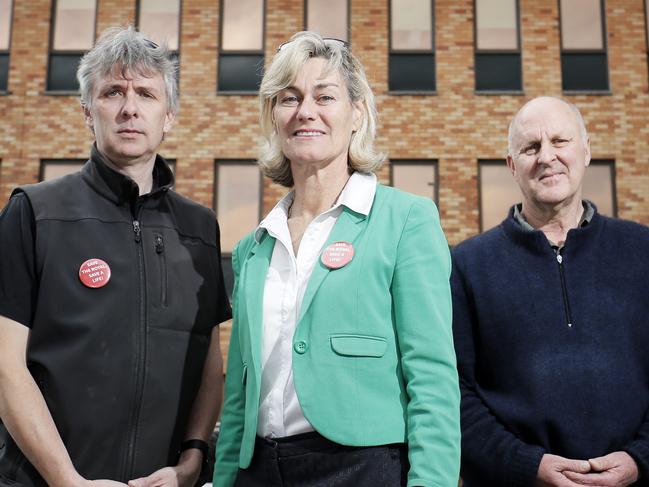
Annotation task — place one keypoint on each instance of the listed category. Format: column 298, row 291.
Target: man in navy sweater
column 551, row 325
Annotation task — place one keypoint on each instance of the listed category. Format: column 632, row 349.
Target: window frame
column 63, row 52
column 226, row 257
column 348, row 28
column 175, row 52
column 603, row 51
column 611, row 166
column 418, row 162
column 495, row 52
column 432, row 52
column 240, row 52
column 57, row 162
column 7, row 52
column 481, row 163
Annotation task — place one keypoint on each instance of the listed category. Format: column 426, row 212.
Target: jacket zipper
column 141, row 354
column 566, row 303
column 162, row 259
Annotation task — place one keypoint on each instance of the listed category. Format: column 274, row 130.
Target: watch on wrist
column 198, row 444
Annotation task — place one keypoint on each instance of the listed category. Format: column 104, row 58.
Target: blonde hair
column 283, row 70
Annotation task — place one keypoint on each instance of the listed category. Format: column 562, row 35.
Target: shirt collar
column 586, row 216
column 357, row 195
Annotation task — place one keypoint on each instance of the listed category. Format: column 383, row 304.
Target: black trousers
column 310, row 460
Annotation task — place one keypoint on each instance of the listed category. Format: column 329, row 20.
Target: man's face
column 548, row 155
column 129, row 117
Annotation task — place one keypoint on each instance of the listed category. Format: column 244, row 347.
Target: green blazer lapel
column 347, row 228
column 254, row 279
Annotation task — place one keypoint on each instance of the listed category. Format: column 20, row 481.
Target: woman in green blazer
column 341, row 370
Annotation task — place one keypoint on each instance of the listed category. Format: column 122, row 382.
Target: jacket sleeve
column 232, row 415
column 639, row 448
column 490, row 453
column 422, row 311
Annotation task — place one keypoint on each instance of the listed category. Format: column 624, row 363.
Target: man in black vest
column 110, row 293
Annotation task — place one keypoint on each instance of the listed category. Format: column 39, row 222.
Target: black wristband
column 198, row 444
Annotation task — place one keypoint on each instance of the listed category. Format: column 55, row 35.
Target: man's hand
column 554, row 470
column 616, row 469
column 185, row 474
column 165, row 477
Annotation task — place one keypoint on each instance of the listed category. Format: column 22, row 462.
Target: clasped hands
column 616, row 469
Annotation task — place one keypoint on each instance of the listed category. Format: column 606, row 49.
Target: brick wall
column 455, row 126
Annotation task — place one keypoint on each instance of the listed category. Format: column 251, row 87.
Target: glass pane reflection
column 5, row 24
column 243, row 25
column 496, row 25
column 159, row 21
column 412, row 25
column 581, row 24
column 237, row 201
column 74, row 28
column 418, row 179
column 53, row 170
column 328, row 18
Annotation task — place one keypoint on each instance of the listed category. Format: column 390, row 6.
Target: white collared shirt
column 288, row 275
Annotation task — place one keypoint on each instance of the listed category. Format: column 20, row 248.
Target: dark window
column 584, row 61
column 415, row 176
column 412, row 47
column 238, row 204
column 329, row 18
column 241, row 53
column 497, row 46
column 5, row 38
column 498, row 190
column 72, row 35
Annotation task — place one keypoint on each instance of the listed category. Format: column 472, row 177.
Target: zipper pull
column 137, row 231
column 159, row 244
column 559, row 258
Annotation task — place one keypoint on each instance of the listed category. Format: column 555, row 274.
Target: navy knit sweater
column 553, row 357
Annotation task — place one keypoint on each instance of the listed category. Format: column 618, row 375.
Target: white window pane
column 328, row 18
column 159, row 21
column 598, row 187
column 243, row 25
column 581, row 24
column 5, row 24
column 415, row 178
column 498, row 193
column 52, row 170
column 75, row 25
column 237, row 202
column 496, row 25
column 412, row 24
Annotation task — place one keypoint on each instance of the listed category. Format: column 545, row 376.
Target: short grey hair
column 578, row 117
column 129, row 51
column 283, row 70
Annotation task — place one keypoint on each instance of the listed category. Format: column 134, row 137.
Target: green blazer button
column 300, row 347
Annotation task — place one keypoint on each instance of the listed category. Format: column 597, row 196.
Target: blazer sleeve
column 490, row 452
column 232, row 416
column 422, row 310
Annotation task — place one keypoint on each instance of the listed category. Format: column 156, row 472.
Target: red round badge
column 337, row 255
column 94, row 273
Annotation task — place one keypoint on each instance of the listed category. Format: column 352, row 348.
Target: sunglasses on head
column 327, row 40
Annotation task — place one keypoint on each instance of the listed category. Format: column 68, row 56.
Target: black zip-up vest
column 119, row 365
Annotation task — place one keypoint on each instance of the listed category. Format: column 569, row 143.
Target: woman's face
column 315, row 117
